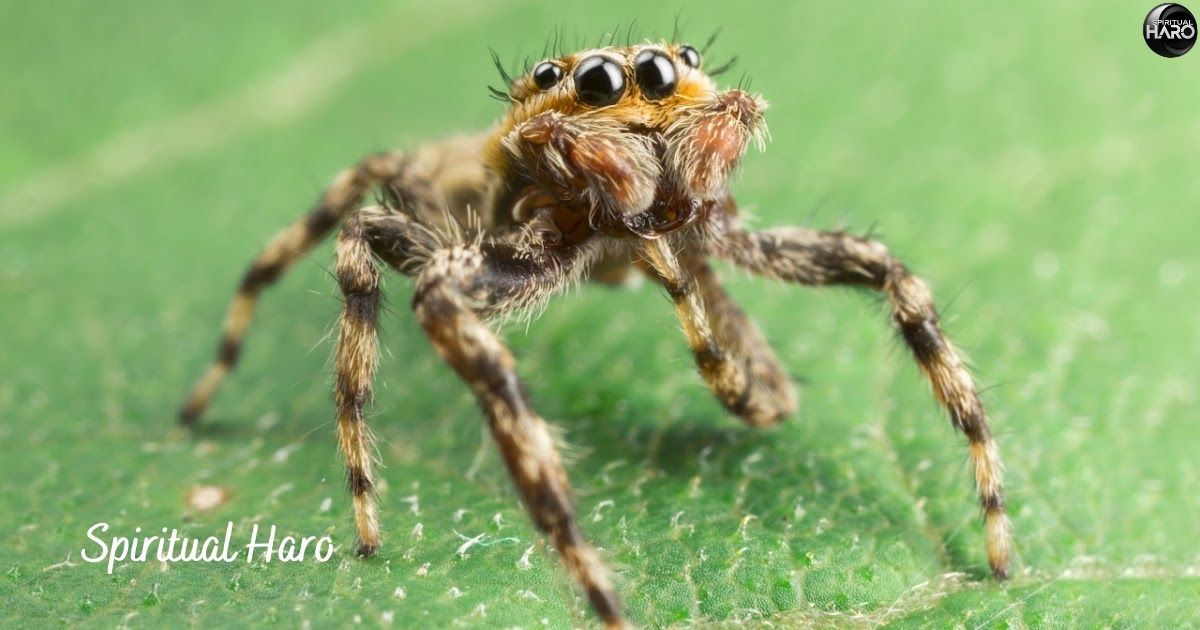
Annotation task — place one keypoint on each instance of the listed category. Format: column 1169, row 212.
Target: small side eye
column 547, row 75
column 599, row 81
column 690, row 56
column 655, row 74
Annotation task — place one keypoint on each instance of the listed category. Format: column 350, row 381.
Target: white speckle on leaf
column 418, row 531
column 388, row 617
column 277, row 492
column 204, row 498
column 399, row 593
column 414, row 503
column 454, row 592
column 596, row 516
column 267, row 421
column 524, row 563
column 1171, row 273
column 285, row 452
column 609, row 467
column 423, row 570
column 1092, row 325
column 1045, row 265
column 59, row 565
column 525, row 594
column 326, row 504
column 467, row 544
column 743, row 525
column 750, row 460
column 459, row 513
column 205, row 447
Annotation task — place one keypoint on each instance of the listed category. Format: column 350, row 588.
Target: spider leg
column 812, row 257
column 457, row 286
column 734, row 359
column 355, row 359
column 341, row 198
column 400, row 241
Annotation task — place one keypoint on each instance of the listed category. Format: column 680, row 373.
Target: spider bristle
column 723, row 68
column 629, row 33
column 711, row 39
column 612, row 36
column 676, row 29
column 498, row 94
column 508, row 80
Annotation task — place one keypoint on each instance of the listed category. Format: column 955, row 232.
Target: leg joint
column 358, row 481
column 260, row 275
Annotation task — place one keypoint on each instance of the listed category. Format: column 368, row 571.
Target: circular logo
column 1170, row 29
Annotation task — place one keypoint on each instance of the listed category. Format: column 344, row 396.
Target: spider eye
column 547, row 75
column 655, row 74
column 599, row 81
column 690, row 56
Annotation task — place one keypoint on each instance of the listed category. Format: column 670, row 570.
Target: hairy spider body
column 608, row 162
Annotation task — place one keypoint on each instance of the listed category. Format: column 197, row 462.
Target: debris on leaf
column 205, row 498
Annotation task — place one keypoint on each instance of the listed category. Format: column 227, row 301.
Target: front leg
column 812, row 257
column 455, row 287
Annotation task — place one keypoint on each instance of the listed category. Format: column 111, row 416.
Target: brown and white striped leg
column 813, row 257
column 456, row 286
column 355, row 359
column 770, row 387
column 339, row 201
column 732, row 356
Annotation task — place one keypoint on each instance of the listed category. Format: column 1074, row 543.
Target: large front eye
column 655, row 74
column 599, row 81
column 547, row 75
column 690, row 56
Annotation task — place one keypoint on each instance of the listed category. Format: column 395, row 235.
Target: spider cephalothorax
column 608, row 162
column 616, row 132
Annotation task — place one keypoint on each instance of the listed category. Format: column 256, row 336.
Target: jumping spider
column 608, row 162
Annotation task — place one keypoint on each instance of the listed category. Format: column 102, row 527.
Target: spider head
column 615, row 127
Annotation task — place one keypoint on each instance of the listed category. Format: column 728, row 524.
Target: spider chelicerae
column 609, row 162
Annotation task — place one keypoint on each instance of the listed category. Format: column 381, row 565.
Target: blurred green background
column 1034, row 161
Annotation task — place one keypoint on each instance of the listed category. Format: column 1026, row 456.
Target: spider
column 608, row 163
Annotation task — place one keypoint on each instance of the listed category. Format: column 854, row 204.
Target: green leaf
column 1033, row 161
